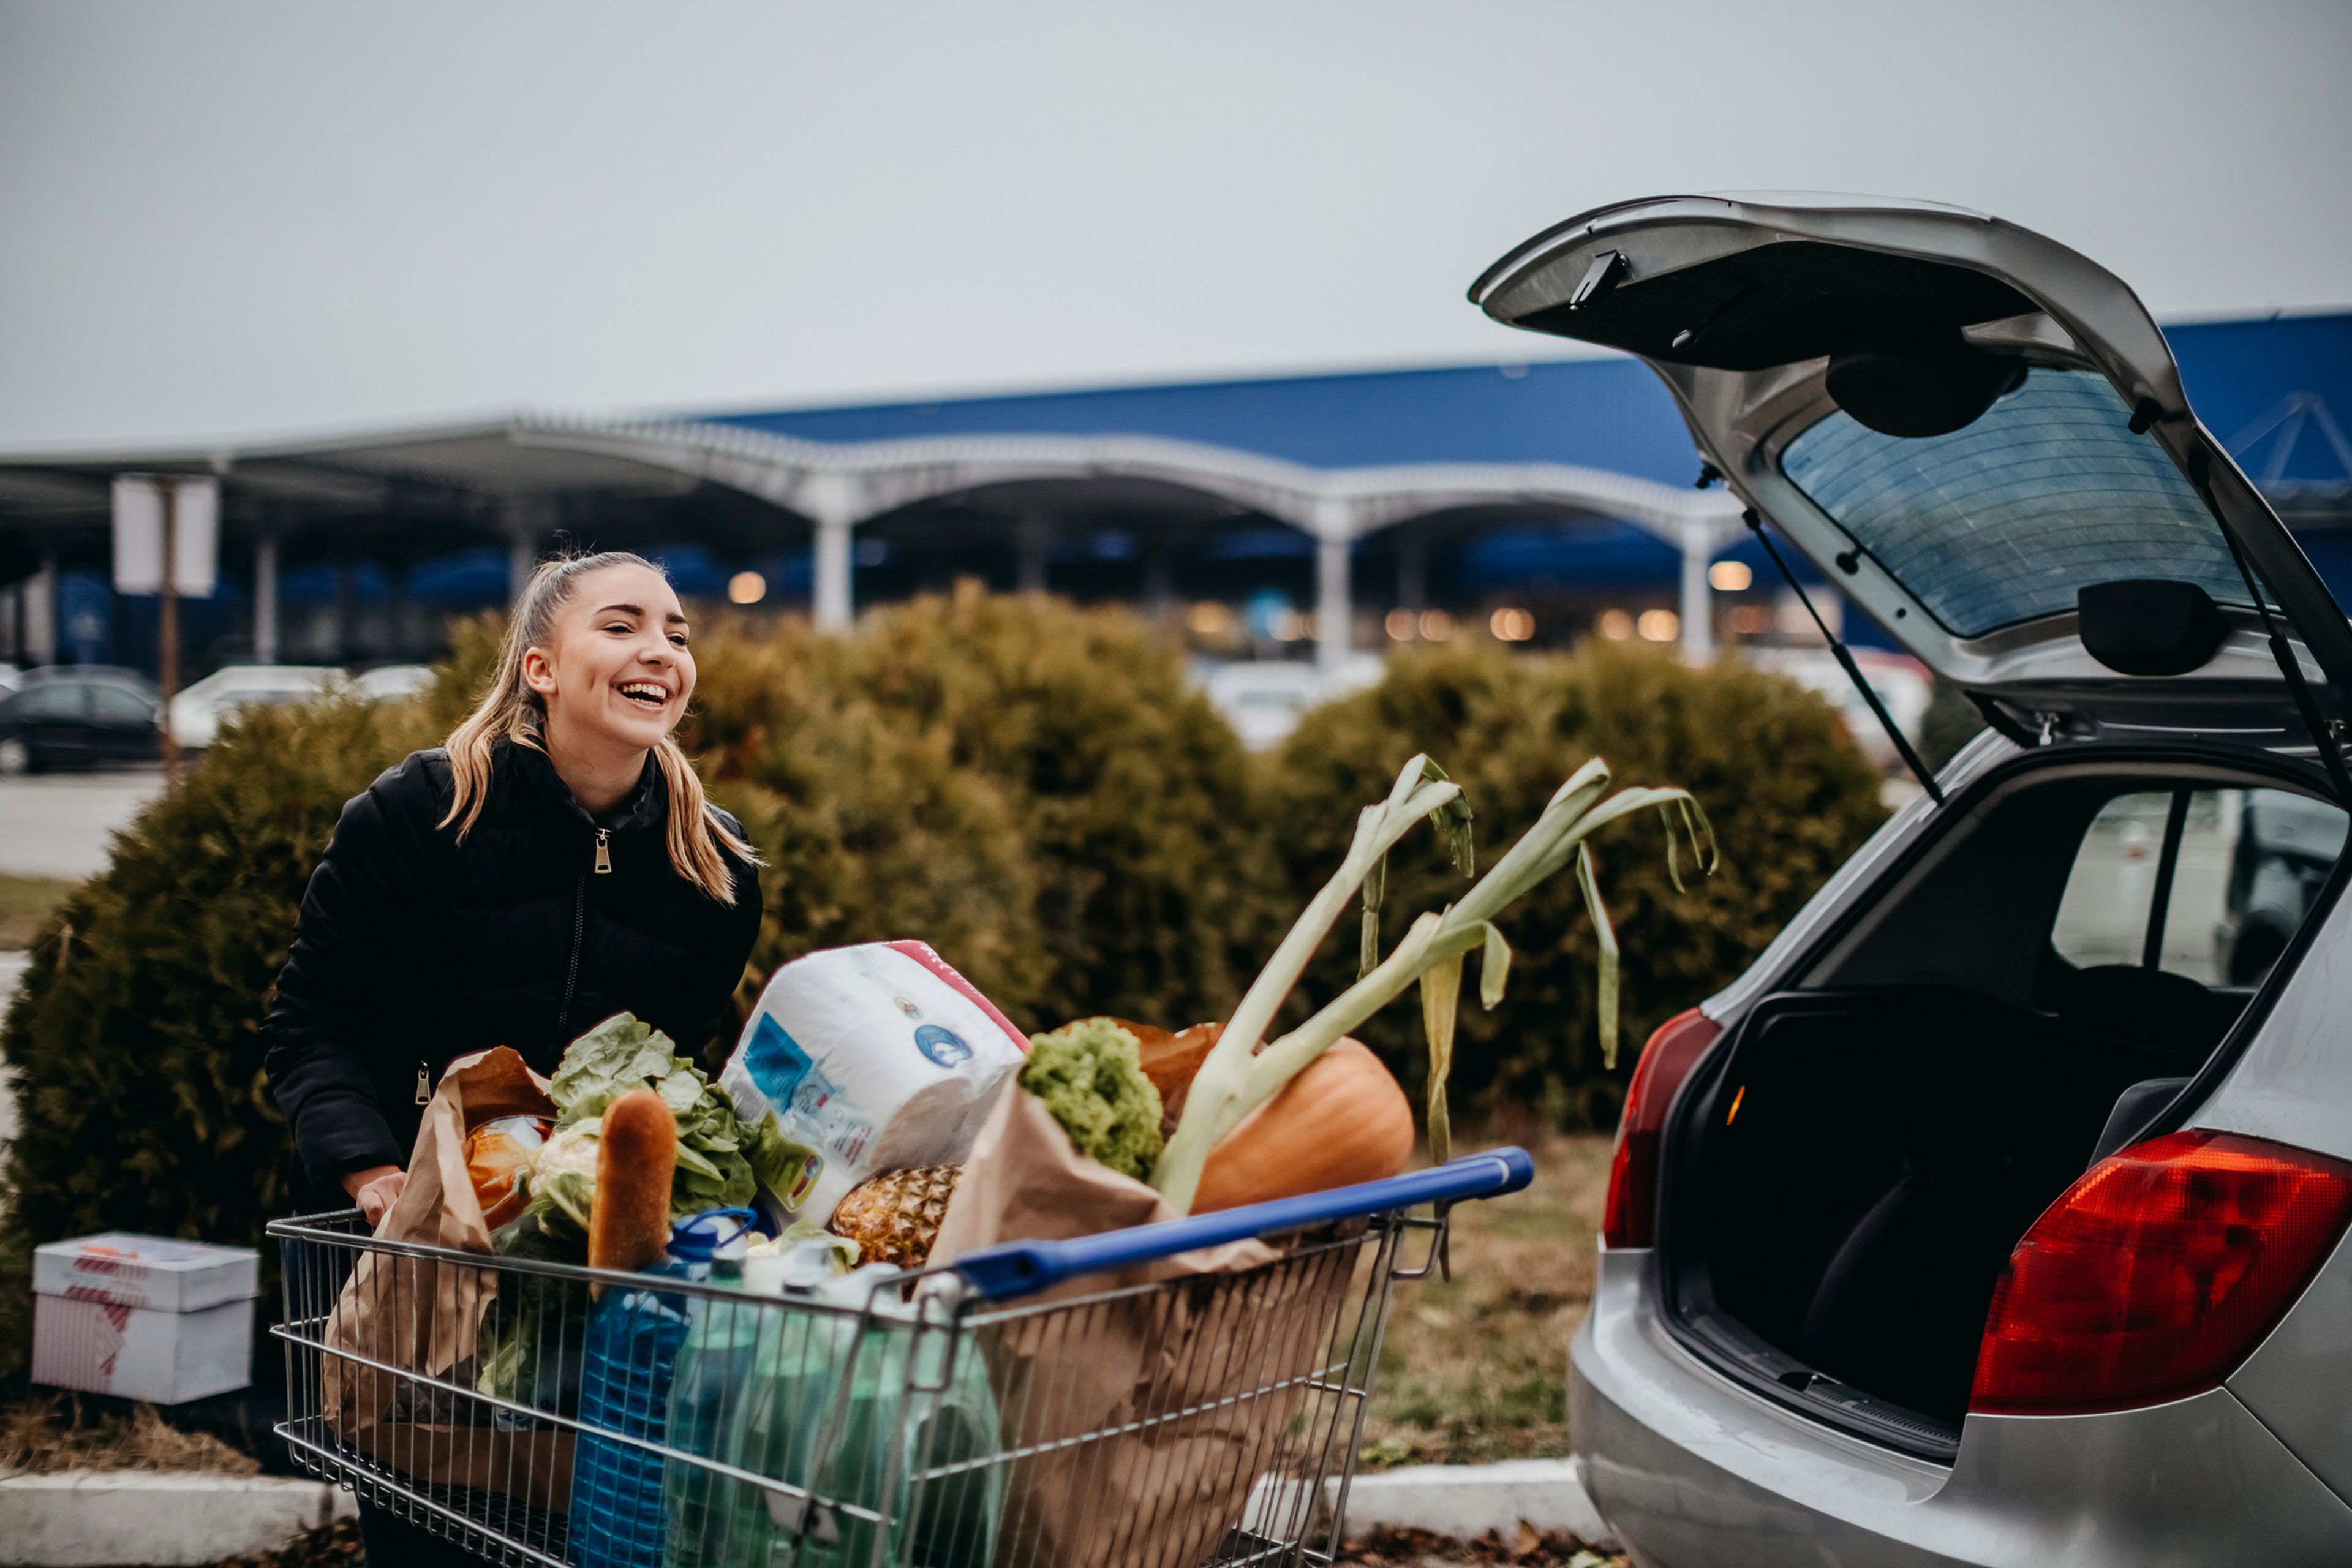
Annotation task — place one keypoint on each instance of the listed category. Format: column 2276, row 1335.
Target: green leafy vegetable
column 563, row 1178
column 623, row 1053
column 1090, row 1076
column 527, row 1356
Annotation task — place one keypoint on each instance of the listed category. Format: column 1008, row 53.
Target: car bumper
column 1691, row 1469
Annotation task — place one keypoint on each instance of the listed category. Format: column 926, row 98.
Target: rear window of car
column 2004, row 520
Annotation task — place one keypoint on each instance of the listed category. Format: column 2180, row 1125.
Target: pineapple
column 894, row 1217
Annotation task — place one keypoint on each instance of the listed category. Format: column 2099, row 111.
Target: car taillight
column 2155, row 1273
column 1629, row 1216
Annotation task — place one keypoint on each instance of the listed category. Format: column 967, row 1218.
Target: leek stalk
column 1236, row 1077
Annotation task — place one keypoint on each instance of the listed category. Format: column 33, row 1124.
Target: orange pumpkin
column 1343, row 1120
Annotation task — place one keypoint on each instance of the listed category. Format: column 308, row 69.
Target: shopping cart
column 1030, row 1403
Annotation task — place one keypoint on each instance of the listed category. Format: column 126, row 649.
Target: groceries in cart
column 878, row 1058
column 826, row 1309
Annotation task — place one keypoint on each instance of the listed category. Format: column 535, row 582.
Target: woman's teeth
column 641, row 692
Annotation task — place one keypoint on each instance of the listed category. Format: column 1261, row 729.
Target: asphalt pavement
column 62, row 824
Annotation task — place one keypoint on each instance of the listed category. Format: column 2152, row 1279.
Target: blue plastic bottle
column 714, row 1366
column 619, row 1517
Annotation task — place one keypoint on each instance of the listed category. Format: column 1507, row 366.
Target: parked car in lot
column 197, row 712
column 1994, row 1215
column 78, row 716
column 387, row 681
column 1264, row 698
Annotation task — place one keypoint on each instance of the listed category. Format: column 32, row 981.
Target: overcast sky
column 240, row 218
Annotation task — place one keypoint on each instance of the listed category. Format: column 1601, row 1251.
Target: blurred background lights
column 1208, row 618
column 746, row 588
column 1729, row 576
column 1659, row 625
column 1614, row 624
column 1436, row 625
column 1510, row 623
column 1403, row 626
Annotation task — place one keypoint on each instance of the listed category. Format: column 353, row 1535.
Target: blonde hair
column 511, row 712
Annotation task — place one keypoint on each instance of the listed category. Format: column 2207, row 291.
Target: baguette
column 636, row 1154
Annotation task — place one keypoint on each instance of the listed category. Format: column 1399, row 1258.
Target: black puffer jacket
column 415, row 949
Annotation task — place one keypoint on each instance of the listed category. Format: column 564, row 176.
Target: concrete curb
column 97, row 1519
column 1465, row 1501
column 90, row 1519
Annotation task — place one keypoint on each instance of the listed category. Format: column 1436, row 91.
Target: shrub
column 871, row 832
column 134, row 1038
column 1790, row 796
column 1038, row 793
column 1132, row 796
column 1028, row 786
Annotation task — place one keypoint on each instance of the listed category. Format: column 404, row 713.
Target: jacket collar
column 646, row 806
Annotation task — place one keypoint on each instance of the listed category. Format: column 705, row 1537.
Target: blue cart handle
column 1022, row 1268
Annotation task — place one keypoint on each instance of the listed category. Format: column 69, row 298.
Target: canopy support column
column 832, row 503
column 265, row 599
column 1158, row 580
column 1697, row 597
column 41, row 612
column 525, row 520
column 1033, row 537
column 1335, row 616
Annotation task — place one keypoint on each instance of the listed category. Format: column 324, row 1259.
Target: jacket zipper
column 571, row 975
column 424, row 1082
column 603, row 852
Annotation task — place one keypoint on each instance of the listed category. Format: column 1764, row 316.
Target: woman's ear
column 538, row 672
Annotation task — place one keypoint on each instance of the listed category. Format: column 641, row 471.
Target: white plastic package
column 877, row 1058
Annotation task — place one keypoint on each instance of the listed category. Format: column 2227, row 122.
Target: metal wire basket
column 1022, row 1405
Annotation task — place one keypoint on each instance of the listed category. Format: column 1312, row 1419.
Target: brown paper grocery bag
column 421, row 1316
column 1203, row 1380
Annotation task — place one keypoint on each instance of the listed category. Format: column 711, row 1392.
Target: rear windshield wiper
column 1853, row 671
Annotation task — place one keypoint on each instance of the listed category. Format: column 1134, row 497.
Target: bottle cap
column 713, row 1233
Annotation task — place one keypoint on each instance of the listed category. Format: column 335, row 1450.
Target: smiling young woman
column 554, row 863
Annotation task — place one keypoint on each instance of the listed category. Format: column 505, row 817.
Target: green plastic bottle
column 805, row 1354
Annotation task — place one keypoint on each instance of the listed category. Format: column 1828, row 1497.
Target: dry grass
column 337, row 1546
column 1418, row 1549
column 23, row 901
column 1476, row 1369
column 44, row 1434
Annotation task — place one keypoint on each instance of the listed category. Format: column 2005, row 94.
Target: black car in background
column 78, row 716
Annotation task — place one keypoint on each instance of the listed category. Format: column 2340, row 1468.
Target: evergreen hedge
column 1133, row 796
column 134, row 1036
column 1030, row 786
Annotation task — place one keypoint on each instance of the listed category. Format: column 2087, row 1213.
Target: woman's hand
column 374, row 1190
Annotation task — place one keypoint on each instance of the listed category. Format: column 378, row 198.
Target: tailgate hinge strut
column 2323, row 733
column 1845, row 661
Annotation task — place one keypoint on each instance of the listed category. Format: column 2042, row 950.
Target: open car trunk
column 1849, row 1172
column 1981, row 438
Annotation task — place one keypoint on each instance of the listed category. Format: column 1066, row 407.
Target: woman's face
column 617, row 668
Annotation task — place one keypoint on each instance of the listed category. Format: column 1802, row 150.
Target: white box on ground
column 144, row 1317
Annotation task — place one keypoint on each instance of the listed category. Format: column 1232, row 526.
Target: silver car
column 1997, row 1214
